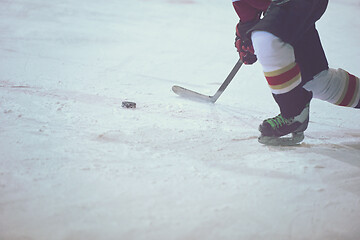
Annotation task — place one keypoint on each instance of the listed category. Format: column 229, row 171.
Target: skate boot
column 274, row 130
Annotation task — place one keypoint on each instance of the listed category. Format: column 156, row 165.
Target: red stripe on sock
column 350, row 91
column 284, row 77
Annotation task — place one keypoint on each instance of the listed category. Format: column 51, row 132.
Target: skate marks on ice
column 341, row 145
column 175, row 1
column 220, row 127
column 336, row 140
column 59, row 94
column 198, row 144
column 204, row 133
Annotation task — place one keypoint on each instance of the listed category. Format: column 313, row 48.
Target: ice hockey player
column 281, row 34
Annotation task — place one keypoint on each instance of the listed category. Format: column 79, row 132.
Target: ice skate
column 280, row 131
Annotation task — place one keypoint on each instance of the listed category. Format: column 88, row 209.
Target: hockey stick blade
column 183, row 92
column 201, row 97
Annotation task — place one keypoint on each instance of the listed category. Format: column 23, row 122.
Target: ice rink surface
column 76, row 165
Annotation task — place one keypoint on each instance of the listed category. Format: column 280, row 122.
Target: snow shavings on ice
column 74, row 164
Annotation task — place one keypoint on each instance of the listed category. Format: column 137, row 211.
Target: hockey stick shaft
column 227, row 81
column 198, row 96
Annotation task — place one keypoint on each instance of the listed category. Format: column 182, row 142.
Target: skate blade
column 292, row 140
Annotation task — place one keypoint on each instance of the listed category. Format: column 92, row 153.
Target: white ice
column 76, row 165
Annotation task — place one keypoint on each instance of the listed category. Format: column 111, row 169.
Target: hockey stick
column 198, row 96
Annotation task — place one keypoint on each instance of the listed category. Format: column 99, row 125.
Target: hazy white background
column 75, row 165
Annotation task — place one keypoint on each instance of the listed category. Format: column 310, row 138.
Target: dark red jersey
column 248, row 10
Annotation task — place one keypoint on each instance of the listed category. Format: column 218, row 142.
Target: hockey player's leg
column 336, row 86
column 288, row 47
column 284, row 78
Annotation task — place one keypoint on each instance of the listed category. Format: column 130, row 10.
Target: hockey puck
column 128, row 105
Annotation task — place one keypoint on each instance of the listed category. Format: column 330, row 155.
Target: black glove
column 243, row 42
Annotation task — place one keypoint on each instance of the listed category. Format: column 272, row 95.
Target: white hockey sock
column 278, row 61
column 336, row 86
